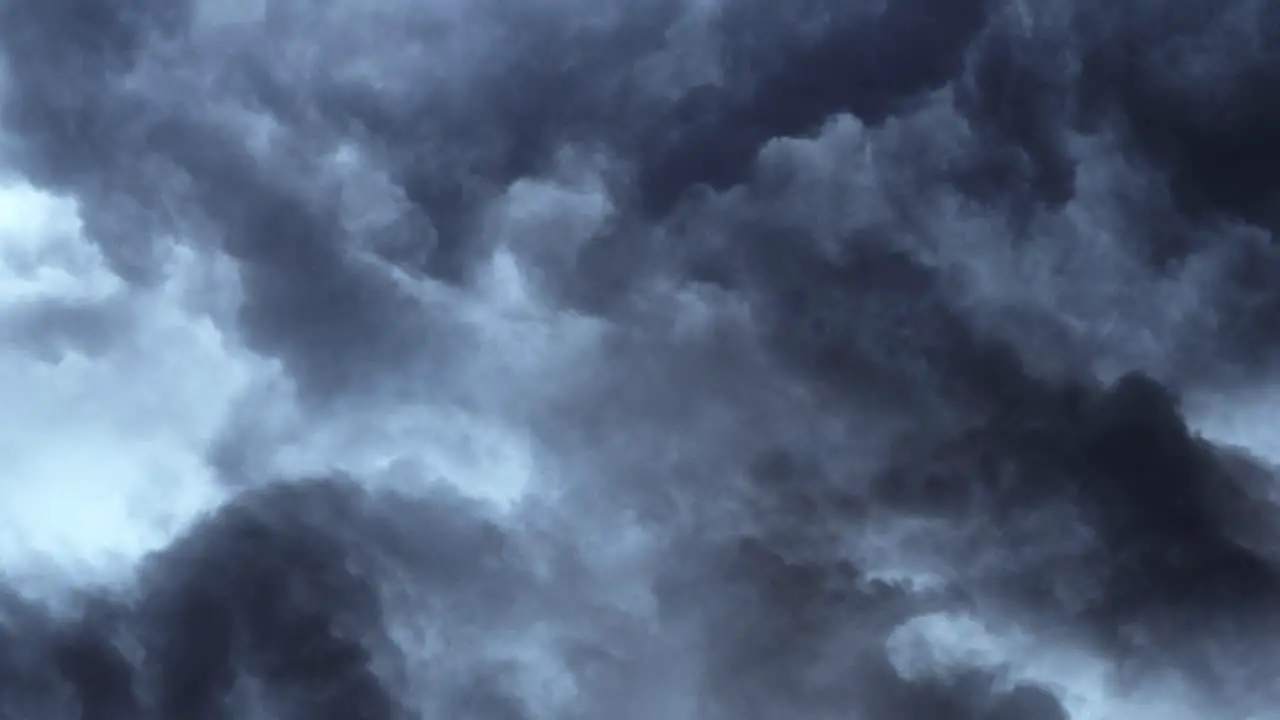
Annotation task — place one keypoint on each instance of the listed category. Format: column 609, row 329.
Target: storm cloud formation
column 663, row 359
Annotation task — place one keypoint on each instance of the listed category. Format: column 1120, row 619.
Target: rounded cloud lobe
column 676, row 358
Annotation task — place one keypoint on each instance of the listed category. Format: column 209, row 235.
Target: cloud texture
column 681, row 359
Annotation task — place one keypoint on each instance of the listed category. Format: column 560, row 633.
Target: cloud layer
column 665, row 359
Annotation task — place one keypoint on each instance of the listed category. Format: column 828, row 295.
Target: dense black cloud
column 1173, row 533
column 930, row 271
column 869, row 64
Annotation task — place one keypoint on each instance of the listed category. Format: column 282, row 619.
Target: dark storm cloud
column 775, row 73
column 806, row 637
column 857, row 194
column 85, row 133
column 870, row 64
column 130, row 158
column 276, row 603
column 1192, row 88
column 1174, row 527
column 78, row 127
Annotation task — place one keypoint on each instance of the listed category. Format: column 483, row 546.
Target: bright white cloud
column 102, row 454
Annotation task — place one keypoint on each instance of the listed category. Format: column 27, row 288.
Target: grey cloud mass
column 681, row 359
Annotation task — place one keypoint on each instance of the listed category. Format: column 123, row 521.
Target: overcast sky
column 680, row 359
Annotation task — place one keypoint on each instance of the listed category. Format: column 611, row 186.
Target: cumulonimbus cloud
column 702, row 359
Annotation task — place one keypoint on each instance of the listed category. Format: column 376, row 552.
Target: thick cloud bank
column 679, row 359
